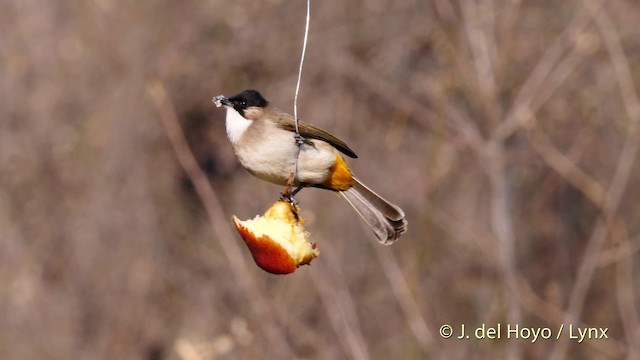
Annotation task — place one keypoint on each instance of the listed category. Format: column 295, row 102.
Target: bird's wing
column 286, row 122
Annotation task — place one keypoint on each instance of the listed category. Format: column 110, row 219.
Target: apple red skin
column 268, row 255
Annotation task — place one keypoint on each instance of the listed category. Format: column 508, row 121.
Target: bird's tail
column 385, row 219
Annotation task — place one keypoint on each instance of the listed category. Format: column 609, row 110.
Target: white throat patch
column 236, row 125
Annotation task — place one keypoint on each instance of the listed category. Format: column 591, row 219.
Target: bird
column 265, row 141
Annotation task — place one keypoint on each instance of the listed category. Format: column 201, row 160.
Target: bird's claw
column 287, row 196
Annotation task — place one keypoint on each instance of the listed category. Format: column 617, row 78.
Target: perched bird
column 265, row 142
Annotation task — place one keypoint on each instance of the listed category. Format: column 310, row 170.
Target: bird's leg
column 288, row 186
column 288, row 194
column 297, row 190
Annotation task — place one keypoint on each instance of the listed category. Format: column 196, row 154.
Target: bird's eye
column 243, row 103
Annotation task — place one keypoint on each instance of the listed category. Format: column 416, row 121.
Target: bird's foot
column 288, row 197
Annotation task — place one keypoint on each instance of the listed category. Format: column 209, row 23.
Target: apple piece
column 277, row 240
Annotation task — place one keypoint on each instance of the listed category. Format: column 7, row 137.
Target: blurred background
column 506, row 129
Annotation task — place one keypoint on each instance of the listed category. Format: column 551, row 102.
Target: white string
column 304, row 50
column 295, row 98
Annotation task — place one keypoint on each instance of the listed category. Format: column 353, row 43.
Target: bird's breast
column 269, row 153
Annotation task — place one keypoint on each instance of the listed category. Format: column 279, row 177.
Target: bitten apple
column 277, row 240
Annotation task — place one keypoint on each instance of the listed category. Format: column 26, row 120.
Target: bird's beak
column 221, row 100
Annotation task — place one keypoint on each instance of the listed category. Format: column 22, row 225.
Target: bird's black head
column 247, row 99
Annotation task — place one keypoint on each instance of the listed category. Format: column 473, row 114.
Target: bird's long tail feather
column 385, row 219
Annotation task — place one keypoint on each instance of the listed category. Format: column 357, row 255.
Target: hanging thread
column 298, row 138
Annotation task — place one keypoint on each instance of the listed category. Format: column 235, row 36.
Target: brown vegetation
column 506, row 129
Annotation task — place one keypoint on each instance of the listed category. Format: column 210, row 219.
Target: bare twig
column 460, row 124
column 620, row 253
column 532, row 87
column 622, row 172
column 506, row 31
column 625, row 294
column 341, row 309
column 502, row 228
column 523, row 292
column 479, row 24
column 554, row 315
column 564, row 166
column 480, row 27
column 406, row 300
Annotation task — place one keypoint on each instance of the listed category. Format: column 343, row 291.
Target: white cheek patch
column 236, row 125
